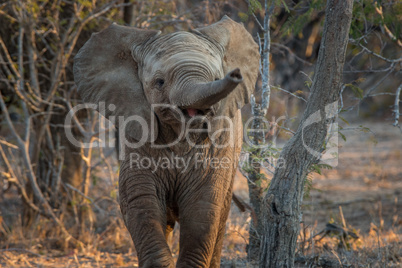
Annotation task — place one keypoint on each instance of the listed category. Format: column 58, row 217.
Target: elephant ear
column 107, row 75
column 240, row 51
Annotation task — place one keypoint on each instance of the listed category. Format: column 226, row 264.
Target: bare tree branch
column 375, row 54
column 288, row 92
column 396, row 106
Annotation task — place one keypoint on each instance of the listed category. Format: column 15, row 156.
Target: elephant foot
column 162, row 262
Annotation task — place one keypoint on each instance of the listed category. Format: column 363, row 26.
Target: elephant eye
column 159, row 82
column 216, row 79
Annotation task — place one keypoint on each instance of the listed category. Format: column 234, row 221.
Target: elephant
column 178, row 98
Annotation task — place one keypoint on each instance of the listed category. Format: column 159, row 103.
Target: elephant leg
column 202, row 226
column 216, row 257
column 145, row 217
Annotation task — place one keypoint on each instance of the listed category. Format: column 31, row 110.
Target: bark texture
column 259, row 111
column 256, row 226
column 281, row 208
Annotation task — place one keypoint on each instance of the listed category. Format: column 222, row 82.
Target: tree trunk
column 281, row 208
column 256, row 196
column 128, row 12
column 259, row 111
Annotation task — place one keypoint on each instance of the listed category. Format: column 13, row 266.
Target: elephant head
column 210, row 72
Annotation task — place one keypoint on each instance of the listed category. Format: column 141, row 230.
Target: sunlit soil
column 365, row 187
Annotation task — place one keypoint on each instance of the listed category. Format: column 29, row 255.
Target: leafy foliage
column 368, row 15
column 300, row 15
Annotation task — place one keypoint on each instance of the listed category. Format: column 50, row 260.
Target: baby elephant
column 175, row 100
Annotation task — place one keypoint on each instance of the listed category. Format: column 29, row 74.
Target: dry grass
column 364, row 194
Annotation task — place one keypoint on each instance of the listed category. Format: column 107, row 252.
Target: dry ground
column 363, row 193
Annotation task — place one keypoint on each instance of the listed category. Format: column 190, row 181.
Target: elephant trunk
column 203, row 95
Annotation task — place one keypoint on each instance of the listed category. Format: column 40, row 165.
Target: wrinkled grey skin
column 212, row 70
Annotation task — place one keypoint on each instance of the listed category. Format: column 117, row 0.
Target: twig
column 287, row 129
column 32, row 54
column 396, row 106
column 59, row 156
column 375, row 54
column 291, row 52
column 255, row 17
column 83, row 195
column 9, row 61
column 341, row 98
column 12, row 19
column 381, row 94
column 371, row 70
column 79, row 192
column 378, row 8
column 306, row 75
column 378, row 83
column 342, row 217
column 8, row 144
column 294, row 95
